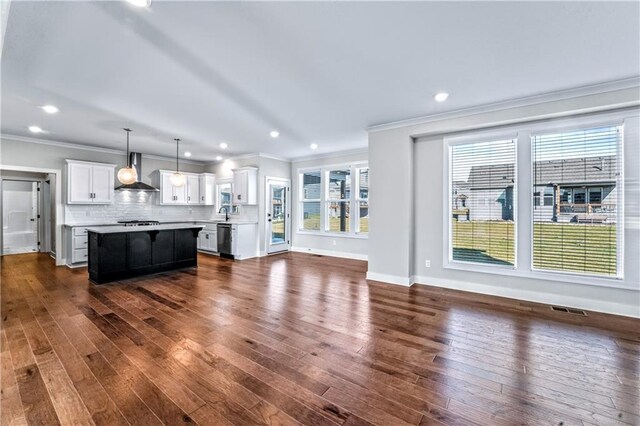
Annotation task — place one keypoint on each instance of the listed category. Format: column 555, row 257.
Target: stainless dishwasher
column 224, row 240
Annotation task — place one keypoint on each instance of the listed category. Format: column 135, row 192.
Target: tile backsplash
column 143, row 205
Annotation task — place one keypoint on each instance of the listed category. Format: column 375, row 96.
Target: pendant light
column 177, row 178
column 127, row 175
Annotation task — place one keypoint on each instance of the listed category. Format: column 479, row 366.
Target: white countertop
column 167, row 222
column 121, row 228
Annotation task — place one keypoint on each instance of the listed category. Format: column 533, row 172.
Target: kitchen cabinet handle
column 188, row 198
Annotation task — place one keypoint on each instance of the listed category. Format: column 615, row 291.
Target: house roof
column 571, row 171
column 491, row 176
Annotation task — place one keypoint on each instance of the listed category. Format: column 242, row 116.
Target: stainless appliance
column 135, row 161
column 225, row 240
column 138, row 222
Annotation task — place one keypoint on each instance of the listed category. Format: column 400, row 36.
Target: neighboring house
column 575, row 189
column 486, row 195
column 580, row 189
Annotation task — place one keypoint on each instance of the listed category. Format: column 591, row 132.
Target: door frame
column 267, row 199
column 58, row 203
column 38, row 207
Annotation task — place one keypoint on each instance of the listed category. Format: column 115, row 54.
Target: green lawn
column 312, row 222
column 575, row 247
column 566, row 246
column 483, row 241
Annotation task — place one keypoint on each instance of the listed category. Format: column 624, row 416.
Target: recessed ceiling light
column 313, row 146
column 140, row 3
column 274, row 134
column 223, row 145
column 441, row 97
column 51, row 109
column 219, row 158
column 187, row 154
column 35, row 129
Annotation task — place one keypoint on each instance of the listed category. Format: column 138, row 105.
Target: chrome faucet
column 226, row 213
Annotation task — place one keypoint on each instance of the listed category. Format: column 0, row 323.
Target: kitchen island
column 120, row 252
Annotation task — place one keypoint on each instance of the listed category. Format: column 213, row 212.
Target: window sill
column 333, row 234
column 542, row 275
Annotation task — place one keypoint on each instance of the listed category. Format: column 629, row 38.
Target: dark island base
column 122, row 255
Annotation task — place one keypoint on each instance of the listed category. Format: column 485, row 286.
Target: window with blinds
column 576, row 190
column 483, row 200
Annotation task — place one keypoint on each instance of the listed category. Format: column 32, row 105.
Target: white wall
column 397, row 253
column 126, row 205
column 354, row 247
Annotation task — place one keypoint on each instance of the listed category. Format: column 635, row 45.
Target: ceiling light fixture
column 219, row 158
column 223, row 145
column 313, row 146
column 177, row 179
column 441, row 97
column 274, row 134
column 35, row 129
column 140, row 3
column 50, row 109
column 127, row 175
column 187, row 154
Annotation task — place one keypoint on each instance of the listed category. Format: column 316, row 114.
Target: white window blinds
column 483, row 199
column 575, row 221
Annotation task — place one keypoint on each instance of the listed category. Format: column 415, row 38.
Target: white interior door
column 19, row 217
column 278, row 215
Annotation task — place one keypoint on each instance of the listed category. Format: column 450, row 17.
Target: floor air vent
column 569, row 310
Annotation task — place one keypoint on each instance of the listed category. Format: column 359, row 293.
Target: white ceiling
column 319, row 72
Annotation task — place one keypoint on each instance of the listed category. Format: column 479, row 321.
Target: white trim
column 523, row 218
column 288, row 227
column 334, row 154
column 245, row 156
column 573, row 301
column 27, row 139
column 390, row 279
column 556, row 276
column 559, row 95
column 58, row 202
column 333, row 234
column 331, row 253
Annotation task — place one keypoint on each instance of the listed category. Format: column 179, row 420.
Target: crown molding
column 559, row 95
column 50, row 142
column 251, row 155
column 334, row 154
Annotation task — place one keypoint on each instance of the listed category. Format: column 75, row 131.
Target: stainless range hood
column 135, row 161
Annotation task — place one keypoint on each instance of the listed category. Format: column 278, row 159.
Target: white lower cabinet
column 208, row 241
column 76, row 245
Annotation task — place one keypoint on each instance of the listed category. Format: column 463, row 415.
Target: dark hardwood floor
column 300, row 339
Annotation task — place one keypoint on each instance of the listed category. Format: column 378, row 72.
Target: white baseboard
column 572, row 301
column 342, row 254
column 390, row 279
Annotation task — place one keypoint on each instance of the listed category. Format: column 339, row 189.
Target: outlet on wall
column 427, row 263
column 334, row 242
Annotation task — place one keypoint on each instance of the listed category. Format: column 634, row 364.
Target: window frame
column 325, row 201
column 302, row 200
column 234, row 210
column 567, row 126
column 524, row 130
column 481, row 137
column 358, row 199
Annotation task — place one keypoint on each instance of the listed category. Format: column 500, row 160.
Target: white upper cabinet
column 189, row 193
column 207, row 189
column 193, row 189
column 89, row 183
column 245, row 186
